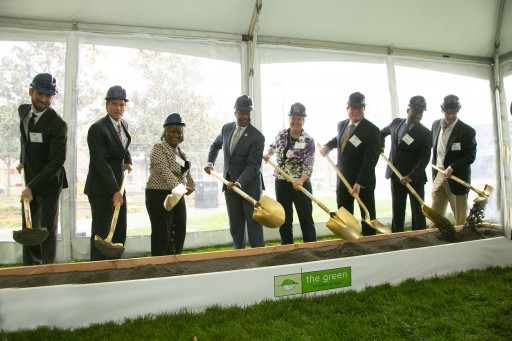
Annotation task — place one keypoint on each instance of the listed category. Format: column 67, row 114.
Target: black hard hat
column 45, row 84
column 298, row 109
column 418, row 103
column 451, row 104
column 356, row 100
column 175, row 119
column 244, row 103
column 116, row 92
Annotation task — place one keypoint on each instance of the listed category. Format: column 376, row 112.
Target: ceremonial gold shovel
column 375, row 224
column 267, row 211
column 342, row 223
column 441, row 222
column 29, row 236
column 482, row 194
column 106, row 247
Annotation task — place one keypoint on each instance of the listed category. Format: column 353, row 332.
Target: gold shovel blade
column 30, row 237
column 344, row 225
column 488, row 190
column 109, row 249
column 443, row 224
column 377, row 225
column 269, row 212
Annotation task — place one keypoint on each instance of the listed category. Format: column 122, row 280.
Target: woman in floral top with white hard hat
column 295, row 154
column 169, row 168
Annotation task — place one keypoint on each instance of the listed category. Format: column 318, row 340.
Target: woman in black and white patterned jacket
column 169, row 169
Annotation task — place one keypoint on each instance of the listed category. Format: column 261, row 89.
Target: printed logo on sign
column 287, row 285
column 306, row 282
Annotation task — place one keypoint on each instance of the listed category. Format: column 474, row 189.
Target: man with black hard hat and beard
column 108, row 140
column 243, row 149
column 454, row 151
column 358, row 144
column 411, row 143
column 43, row 152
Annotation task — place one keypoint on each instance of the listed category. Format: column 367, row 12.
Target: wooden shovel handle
column 462, row 182
column 409, row 187
column 305, row 191
column 342, row 177
column 117, row 208
column 235, row 188
column 26, row 204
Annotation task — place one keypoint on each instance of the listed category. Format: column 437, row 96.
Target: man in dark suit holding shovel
column 43, row 152
column 411, row 143
column 243, row 150
column 108, row 140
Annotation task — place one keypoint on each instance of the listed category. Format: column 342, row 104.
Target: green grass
column 475, row 305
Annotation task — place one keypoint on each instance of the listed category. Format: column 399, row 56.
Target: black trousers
column 287, row 197
column 345, row 199
column 102, row 210
column 44, row 211
column 168, row 228
column 400, row 193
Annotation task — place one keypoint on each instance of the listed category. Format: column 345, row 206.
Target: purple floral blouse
column 300, row 154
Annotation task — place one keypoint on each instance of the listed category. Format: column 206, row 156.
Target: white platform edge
column 70, row 306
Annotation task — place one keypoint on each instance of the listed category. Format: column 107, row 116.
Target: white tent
column 475, row 35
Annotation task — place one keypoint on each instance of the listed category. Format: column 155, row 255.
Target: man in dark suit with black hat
column 358, row 143
column 243, row 150
column 454, row 151
column 108, row 140
column 411, row 143
column 43, row 152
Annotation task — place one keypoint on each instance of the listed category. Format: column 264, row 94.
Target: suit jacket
column 43, row 162
column 460, row 159
column 410, row 159
column 357, row 163
column 244, row 163
column 107, row 158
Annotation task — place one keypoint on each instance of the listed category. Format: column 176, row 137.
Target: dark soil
column 347, row 249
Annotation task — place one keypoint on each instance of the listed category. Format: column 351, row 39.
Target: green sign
column 305, row 282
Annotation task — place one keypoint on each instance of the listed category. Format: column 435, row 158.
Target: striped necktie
column 346, row 137
column 119, row 131
column 236, row 137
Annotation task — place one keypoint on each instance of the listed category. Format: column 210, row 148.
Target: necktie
column 236, row 137
column 119, row 131
column 404, row 132
column 346, row 137
column 31, row 124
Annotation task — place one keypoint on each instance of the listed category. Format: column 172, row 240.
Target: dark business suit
column 410, row 159
column 241, row 166
column 43, row 164
column 460, row 154
column 107, row 159
column 357, row 164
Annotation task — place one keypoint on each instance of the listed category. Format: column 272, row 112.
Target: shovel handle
column 26, row 213
column 305, row 191
column 462, row 182
column 235, row 188
column 117, row 208
column 409, row 187
column 342, row 177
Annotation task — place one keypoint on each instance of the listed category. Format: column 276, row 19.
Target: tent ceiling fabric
column 464, row 27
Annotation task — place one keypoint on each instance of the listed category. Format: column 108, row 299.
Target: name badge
column 355, row 141
column 407, row 139
column 180, row 161
column 300, row 145
column 456, row 146
column 36, row 137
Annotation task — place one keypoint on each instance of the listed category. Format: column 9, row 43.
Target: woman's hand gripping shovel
column 106, row 247
column 267, row 211
column 443, row 224
column 29, row 236
column 375, row 224
column 482, row 195
column 342, row 223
